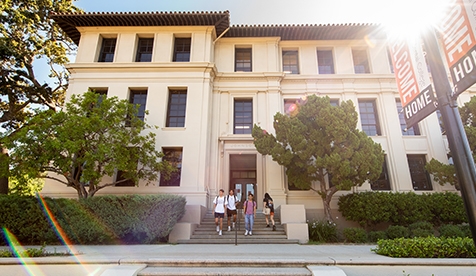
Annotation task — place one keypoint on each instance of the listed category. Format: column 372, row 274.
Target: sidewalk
column 240, row 255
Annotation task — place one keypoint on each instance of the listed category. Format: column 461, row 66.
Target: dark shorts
column 219, row 215
column 230, row 212
column 271, row 213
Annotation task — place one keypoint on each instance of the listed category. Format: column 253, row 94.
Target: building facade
column 206, row 83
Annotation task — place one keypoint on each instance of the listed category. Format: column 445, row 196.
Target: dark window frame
column 420, row 177
column 145, row 48
column 241, row 60
column 175, row 157
column 290, row 61
column 360, row 57
column 371, row 126
column 325, row 62
column 182, row 49
column 383, row 182
column 412, row 131
column 108, row 50
column 242, row 124
column 176, row 108
column 142, row 106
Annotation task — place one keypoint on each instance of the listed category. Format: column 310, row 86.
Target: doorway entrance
column 243, row 175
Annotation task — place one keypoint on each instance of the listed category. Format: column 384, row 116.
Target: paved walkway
column 99, row 259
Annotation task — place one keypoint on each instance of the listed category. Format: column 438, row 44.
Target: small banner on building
column 413, row 81
column 459, row 44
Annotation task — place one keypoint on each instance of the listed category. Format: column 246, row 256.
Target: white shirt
column 220, row 202
column 231, row 205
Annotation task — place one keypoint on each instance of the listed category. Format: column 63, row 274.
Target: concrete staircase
column 206, row 232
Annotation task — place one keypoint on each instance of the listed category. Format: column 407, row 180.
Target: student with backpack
column 268, row 210
column 231, row 208
column 219, row 209
column 250, row 212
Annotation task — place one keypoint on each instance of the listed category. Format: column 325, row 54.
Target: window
column 414, row 130
column 369, row 118
column 420, row 177
column 243, row 122
column 389, row 55
column 174, row 157
column 102, row 92
column 182, row 49
column 383, row 182
column 176, row 108
column 440, row 121
column 120, row 175
column 144, row 50
column 325, row 62
column 290, row 62
column 139, row 97
column 334, row 102
column 361, row 61
column 290, row 106
column 242, row 59
column 108, row 48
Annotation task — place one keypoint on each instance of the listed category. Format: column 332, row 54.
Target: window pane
column 383, row 183
column 368, row 117
column 107, row 50
column 420, row 177
column 290, row 62
column 243, row 60
column 325, row 62
column 139, row 98
column 176, row 109
column 414, row 130
column 174, row 156
column 144, row 50
column 243, row 118
column 361, row 63
column 182, row 49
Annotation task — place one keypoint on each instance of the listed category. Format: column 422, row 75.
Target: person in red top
column 250, row 213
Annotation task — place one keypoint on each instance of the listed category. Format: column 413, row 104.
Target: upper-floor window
column 120, row 175
column 176, row 108
column 369, row 117
column 383, row 182
column 108, row 48
column 414, row 130
column 144, row 49
column 290, row 106
column 325, row 61
column 101, row 92
column 243, row 60
column 290, row 62
column 440, row 121
column 361, row 61
column 139, row 98
column 182, row 49
column 334, row 102
column 389, row 56
column 174, row 157
column 243, row 121
column 420, row 177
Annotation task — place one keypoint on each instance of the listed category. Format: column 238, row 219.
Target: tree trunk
column 327, row 208
column 4, row 179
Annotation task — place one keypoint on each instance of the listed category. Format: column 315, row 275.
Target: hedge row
column 96, row 220
column 371, row 208
column 429, row 247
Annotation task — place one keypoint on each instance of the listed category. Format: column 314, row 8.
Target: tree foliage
column 25, row 186
column 86, row 141
column 446, row 173
column 319, row 141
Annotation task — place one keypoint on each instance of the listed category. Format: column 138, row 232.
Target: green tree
column 86, row 141
column 320, row 141
column 28, row 34
column 446, row 173
column 24, row 186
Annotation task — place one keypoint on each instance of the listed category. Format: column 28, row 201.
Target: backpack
column 246, row 204
column 228, row 198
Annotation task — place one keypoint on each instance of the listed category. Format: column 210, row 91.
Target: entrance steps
column 206, row 232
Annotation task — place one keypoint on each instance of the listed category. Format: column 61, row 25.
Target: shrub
column 322, row 231
column 374, row 236
column 448, row 208
column 466, row 230
column 355, row 235
column 367, row 208
column 429, row 247
column 397, row 231
column 421, row 229
column 450, row 231
column 410, row 208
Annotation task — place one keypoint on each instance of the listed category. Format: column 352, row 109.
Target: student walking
column 268, row 210
column 250, row 212
column 231, row 208
column 219, row 209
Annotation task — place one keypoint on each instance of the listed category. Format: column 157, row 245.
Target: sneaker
column 218, row 228
column 274, row 227
column 219, row 233
column 267, row 226
column 229, row 228
column 251, row 234
column 246, row 232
